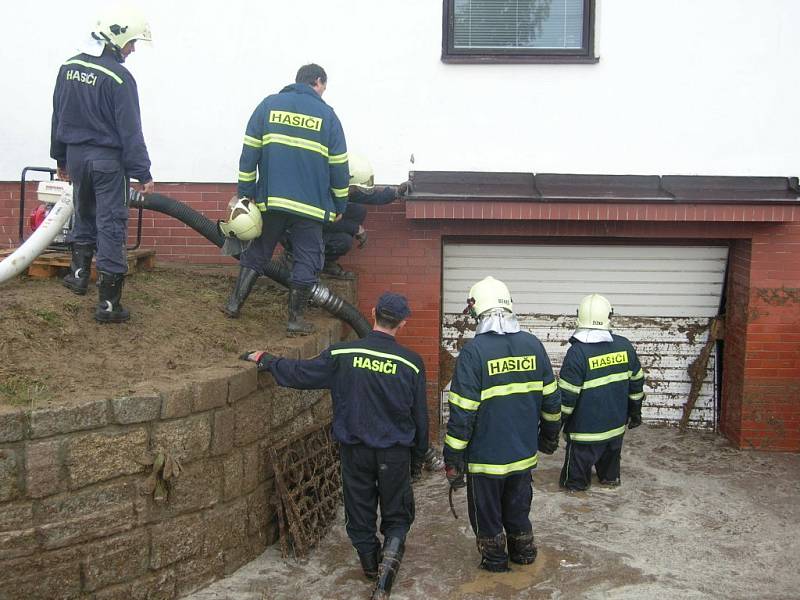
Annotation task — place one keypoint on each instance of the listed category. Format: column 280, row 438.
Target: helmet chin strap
column 116, row 50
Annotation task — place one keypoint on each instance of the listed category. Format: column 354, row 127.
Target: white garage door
column 663, row 298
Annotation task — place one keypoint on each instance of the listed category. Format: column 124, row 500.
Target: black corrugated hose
column 320, row 294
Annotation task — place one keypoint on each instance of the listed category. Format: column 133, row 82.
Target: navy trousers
column 576, row 474
column 100, row 195
column 373, row 477
column 338, row 236
column 498, row 504
column 305, row 236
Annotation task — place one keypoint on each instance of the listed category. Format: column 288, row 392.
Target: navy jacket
column 503, row 391
column 96, row 102
column 377, row 386
column 598, row 383
column 294, row 157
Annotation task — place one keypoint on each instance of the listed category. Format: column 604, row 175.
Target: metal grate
column 308, row 481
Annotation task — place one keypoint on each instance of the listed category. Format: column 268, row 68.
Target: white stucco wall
column 682, row 87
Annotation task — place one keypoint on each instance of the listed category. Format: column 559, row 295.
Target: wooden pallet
column 51, row 263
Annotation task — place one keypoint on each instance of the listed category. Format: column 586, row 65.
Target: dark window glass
column 560, row 30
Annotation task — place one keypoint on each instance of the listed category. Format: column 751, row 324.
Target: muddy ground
column 52, row 352
column 694, row 518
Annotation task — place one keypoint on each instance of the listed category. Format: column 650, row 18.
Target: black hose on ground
column 320, row 294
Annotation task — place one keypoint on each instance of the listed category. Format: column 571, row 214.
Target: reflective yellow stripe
column 566, row 385
column 597, row 437
column 455, row 443
column 262, row 206
column 337, row 159
column 244, row 177
column 295, row 206
column 295, row 142
column 601, row 381
column 511, row 388
column 332, row 216
column 567, row 410
column 464, row 403
column 639, row 375
column 638, row 396
column 89, row 65
column 251, row 141
column 551, row 416
column 340, row 192
column 520, row 465
column 550, row 388
column 414, row 367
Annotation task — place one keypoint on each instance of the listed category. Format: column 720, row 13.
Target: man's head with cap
column 391, row 309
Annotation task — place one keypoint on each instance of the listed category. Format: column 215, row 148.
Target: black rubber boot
column 298, row 301
column 393, row 549
column 493, row 553
column 244, row 285
column 334, row 269
column 109, row 309
column 369, row 564
column 80, row 269
column 521, row 549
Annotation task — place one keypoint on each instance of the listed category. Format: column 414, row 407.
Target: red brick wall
column 761, row 382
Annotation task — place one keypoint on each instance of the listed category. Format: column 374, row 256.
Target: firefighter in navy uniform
column 294, row 166
column 340, row 235
column 504, row 409
column 601, row 384
column 380, row 420
column 97, row 143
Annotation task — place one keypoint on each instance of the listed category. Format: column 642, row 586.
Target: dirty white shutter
column 663, row 298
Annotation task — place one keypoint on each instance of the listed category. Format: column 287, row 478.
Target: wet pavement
column 694, row 518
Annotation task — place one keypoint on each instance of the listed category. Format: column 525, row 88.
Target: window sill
column 518, row 60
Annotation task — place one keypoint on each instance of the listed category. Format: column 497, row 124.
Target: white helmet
column 120, row 26
column 244, row 222
column 594, row 312
column 361, row 174
column 488, row 293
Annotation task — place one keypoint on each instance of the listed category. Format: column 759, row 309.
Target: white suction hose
column 53, row 224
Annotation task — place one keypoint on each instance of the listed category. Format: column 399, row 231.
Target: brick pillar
column 770, row 407
column 733, row 360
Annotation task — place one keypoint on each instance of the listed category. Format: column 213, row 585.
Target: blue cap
column 393, row 306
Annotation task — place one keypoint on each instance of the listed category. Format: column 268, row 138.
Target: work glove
column 455, row 476
column 404, row 188
column 634, row 413
column 634, row 420
column 361, row 236
column 565, row 419
column 548, row 444
column 260, row 357
column 432, row 461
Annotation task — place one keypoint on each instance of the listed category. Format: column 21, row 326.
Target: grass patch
column 48, row 316
column 72, row 308
column 21, row 390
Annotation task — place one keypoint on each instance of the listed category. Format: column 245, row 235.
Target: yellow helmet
column 120, row 26
column 594, row 312
column 488, row 293
column 244, row 222
column 361, row 174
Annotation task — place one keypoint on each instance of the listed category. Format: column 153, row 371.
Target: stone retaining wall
column 74, row 522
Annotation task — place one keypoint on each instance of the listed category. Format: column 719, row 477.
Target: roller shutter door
column 663, row 296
